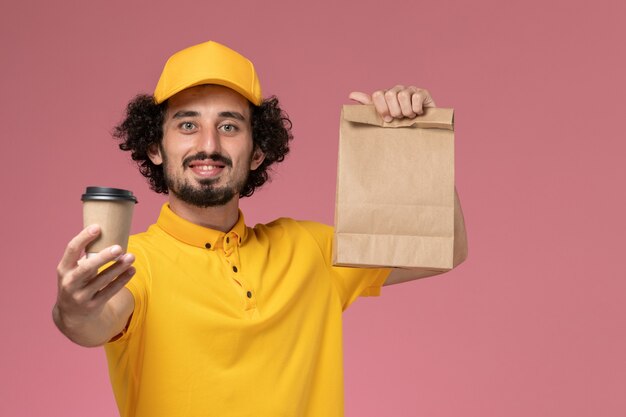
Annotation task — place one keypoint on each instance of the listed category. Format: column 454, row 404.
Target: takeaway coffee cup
column 112, row 210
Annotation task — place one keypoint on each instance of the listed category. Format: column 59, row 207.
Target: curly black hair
column 143, row 127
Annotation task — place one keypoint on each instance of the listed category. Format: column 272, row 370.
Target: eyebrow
column 185, row 113
column 232, row 115
column 190, row 113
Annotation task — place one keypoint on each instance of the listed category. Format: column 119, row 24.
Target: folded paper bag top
column 395, row 190
column 433, row 117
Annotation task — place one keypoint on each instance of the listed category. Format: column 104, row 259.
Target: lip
column 207, row 168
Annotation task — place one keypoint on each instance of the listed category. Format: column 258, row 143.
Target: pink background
column 533, row 324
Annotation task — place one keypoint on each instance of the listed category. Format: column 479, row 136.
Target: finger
column 85, row 301
column 106, row 276
column 75, row 248
column 406, row 106
column 378, row 97
column 417, row 102
column 420, row 99
column 360, row 97
column 429, row 101
column 87, row 268
column 391, row 97
column 115, row 286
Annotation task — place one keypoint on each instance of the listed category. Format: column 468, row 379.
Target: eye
column 187, row 126
column 228, row 128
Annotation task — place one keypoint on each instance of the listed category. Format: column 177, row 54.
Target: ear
column 154, row 153
column 257, row 158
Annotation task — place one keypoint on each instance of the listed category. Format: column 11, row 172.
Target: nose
column 209, row 141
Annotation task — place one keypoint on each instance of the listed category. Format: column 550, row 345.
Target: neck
column 221, row 218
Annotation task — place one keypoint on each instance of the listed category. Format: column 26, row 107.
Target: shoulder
column 148, row 246
column 301, row 234
column 149, row 240
column 289, row 226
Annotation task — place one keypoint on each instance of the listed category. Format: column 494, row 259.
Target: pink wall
column 532, row 325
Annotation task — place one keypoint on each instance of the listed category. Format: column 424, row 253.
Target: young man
column 220, row 319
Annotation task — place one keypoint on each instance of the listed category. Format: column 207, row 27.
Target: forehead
column 208, row 98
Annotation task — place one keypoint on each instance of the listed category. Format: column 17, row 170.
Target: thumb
column 361, row 97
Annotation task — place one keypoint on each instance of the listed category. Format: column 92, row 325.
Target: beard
column 205, row 194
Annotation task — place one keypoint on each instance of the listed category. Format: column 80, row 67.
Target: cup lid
column 108, row 194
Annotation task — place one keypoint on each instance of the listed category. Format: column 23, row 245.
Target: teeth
column 207, row 167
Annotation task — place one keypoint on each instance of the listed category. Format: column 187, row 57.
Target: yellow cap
column 208, row 63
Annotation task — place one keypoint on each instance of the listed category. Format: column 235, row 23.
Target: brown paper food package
column 395, row 190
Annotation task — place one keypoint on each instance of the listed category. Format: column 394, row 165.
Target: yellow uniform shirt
column 244, row 323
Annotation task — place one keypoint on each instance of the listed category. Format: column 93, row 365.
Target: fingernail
column 388, row 119
column 93, row 229
column 116, row 250
column 129, row 257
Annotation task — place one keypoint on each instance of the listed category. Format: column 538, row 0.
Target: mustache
column 200, row 156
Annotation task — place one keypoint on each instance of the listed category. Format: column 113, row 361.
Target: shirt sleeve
column 138, row 287
column 350, row 282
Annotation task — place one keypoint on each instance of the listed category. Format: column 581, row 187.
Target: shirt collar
column 200, row 236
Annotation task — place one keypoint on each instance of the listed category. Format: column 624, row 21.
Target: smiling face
column 207, row 149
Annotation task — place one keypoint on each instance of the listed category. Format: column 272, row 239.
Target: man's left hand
column 397, row 102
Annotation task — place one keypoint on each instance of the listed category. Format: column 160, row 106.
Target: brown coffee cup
column 112, row 210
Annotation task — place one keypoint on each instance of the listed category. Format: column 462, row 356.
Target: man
column 220, row 319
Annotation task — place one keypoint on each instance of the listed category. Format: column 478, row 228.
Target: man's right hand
column 90, row 307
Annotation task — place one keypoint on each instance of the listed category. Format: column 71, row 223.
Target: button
column 207, row 245
column 234, row 269
column 249, row 294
